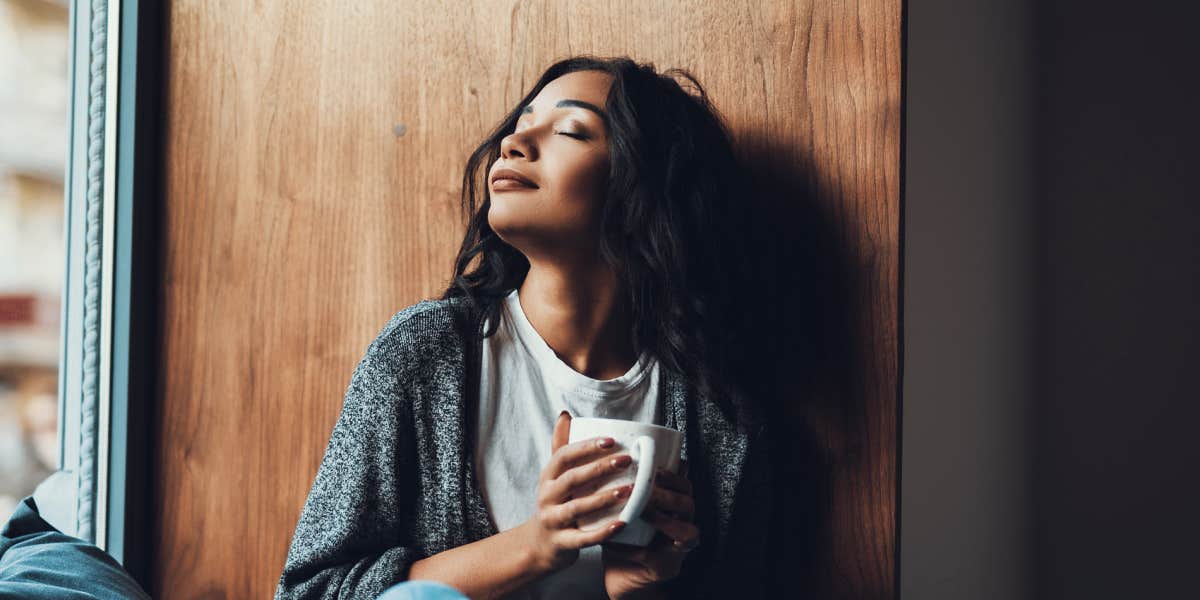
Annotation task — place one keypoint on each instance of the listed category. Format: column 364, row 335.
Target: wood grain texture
column 297, row 221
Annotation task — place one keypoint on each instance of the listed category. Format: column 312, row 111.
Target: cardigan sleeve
column 353, row 539
column 746, row 574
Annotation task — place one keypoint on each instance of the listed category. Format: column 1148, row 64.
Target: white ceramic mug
column 652, row 447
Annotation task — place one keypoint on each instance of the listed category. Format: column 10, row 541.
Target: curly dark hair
column 671, row 226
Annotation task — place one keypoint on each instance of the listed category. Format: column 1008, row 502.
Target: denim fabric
column 421, row 590
column 38, row 562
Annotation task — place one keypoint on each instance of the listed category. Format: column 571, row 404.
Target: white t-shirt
column 524, row 386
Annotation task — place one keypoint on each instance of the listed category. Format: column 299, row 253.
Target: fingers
column 638, row 554
column 579, row 507
column 581, row 479
column 571, row 454
column 673, row 494
column 566, row 514
column 685, row 534
column 673, row 482
column 562, row 431
column 578, row 538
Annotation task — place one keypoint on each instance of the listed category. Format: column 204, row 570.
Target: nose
column 518, row 144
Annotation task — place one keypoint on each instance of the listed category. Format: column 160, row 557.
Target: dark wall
column 968, row 246
column 1052, row 301
column 1118, row 300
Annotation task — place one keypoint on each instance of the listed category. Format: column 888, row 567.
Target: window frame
column 106, row 362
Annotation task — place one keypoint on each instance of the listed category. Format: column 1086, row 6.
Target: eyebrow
column 528, row 109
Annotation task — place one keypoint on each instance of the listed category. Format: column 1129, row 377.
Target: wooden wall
column 297, row 220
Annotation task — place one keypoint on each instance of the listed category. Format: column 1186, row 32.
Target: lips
column 504, row 179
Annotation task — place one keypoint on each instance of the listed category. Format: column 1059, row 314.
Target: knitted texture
column 397, row 485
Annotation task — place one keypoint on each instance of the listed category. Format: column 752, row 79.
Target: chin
column 522, row 235
column 507, row 226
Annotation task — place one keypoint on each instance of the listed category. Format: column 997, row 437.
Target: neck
column 582, row 315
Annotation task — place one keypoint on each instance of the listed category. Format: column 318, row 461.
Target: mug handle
column 641, row 482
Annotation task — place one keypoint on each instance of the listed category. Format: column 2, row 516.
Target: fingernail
column 616, row 526
column 623, row 491
column 622, row 461
column 560, row 415
column 605, row 443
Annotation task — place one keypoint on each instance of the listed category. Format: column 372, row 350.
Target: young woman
column 599, row 277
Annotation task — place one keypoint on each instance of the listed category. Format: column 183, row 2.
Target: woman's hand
column 563, row 496
column 634, row 571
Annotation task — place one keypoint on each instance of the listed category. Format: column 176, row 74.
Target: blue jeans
column 421, row 590
column 38, row 561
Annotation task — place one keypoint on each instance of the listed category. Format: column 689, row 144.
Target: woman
column 608, row 265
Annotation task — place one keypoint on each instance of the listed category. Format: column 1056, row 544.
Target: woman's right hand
column 565, row 492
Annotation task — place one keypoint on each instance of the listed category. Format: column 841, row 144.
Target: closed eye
column 574, row 135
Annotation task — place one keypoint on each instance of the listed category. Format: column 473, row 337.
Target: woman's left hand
column 633, row 571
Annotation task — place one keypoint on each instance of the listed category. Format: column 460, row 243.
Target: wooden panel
column 297, row 221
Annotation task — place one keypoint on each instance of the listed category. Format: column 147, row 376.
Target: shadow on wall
column 804, row 315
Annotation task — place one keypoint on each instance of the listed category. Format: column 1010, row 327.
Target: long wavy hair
column 671, row 226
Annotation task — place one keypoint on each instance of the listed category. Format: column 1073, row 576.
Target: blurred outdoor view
column 34, row 99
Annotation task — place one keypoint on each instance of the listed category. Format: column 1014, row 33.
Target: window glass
column 34, row 99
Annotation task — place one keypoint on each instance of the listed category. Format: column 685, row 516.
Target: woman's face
column 560, row 144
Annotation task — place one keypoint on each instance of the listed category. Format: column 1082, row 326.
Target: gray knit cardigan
column 397, row 485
